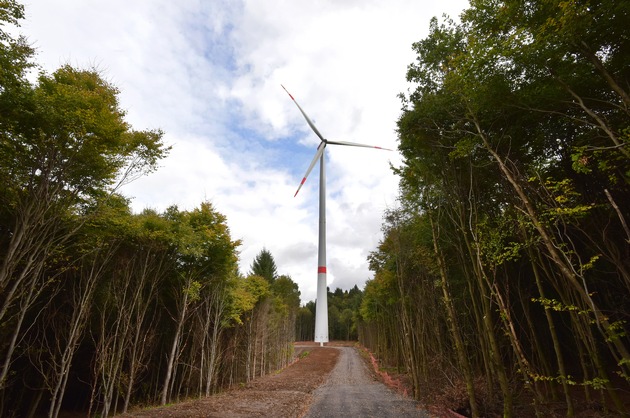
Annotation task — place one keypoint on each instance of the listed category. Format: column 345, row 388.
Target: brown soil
column 291, row 392
column 287, row 393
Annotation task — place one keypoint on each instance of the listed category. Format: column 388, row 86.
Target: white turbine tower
column 321, row 307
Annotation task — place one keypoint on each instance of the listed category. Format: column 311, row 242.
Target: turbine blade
column 354, row 144
column 310, row 123
column 318, row 154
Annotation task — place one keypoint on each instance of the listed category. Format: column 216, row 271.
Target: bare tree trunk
column 28, row 298
column 453, row 325
column 149, row 277
column 81, row 299
column 211, row 370
column 21, row 276
column 599, row 65
column 175, row 346
column 555, row 340
column 567, row 271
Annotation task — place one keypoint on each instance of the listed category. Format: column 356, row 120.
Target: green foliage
column 559, row 306
column 287, row 291
column 15, row 60
column 516, row 91
column 193, row 290
column 69, row 245
column 343, row 314
column 265, row 266
column 305, row 322
column 497, row 242
column 72, row 136
column 246, row 295
column 379, row 293
column 616, row 331
column 257, row 287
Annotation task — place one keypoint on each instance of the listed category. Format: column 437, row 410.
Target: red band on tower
column 321, row 269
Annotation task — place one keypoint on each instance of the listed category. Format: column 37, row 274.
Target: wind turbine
column 321, row 308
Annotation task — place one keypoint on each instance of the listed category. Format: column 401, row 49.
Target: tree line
column 100, row 308
column 502, row 282
column 343, row 316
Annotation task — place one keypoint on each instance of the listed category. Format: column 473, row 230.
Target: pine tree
column 264, row 266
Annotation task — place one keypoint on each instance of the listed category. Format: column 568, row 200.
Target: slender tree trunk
column 82, row 295
column 214, row 348
column 557, row 347
column 453, row 325
column 150, row 276
column 599, row 65
column 167, row 385
column 618, row 349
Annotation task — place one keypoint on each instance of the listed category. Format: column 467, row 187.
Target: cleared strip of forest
column 287, row 393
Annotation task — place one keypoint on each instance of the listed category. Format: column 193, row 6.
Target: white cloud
column 209, row 75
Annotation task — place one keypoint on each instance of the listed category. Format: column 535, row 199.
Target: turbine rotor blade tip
column 285, row 89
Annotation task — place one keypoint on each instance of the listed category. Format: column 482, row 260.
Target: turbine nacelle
column 323, row 143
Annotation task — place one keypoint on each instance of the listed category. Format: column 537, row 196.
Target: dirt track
column 331, row 381
column 352, row 391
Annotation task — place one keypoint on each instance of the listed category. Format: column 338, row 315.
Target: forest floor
column 287, row 393
column 342, row 377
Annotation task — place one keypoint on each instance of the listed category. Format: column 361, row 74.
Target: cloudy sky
column 208, row 73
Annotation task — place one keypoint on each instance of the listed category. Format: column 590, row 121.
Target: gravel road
column 350, row 391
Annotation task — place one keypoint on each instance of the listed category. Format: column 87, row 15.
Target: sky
column 209, row 74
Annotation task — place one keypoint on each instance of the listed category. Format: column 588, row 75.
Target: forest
column 100, row 308
column 501, row 284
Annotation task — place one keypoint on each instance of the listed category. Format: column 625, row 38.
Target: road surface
column 350, row 391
